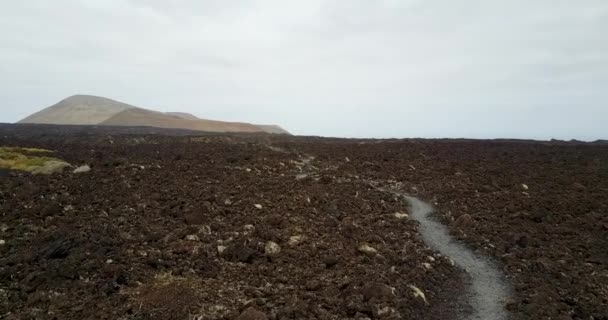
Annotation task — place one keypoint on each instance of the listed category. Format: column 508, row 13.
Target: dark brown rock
column 252, row 314
column 464, row 221
column 377, row 291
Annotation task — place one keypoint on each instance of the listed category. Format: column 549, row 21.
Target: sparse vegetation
column 25, row 159
column 24, row 150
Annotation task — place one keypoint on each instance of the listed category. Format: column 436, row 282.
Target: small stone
column 361, row 316
column 109, row 261
column 192, row 237
column 257, row 205
column 377, row 291
column 51, row 210
column 272, row 248
column 330, row 261
column 193, row 218
column 401, row 215
column 249, row 228
column 426, row 265
column 383, row 312
column 418, row 293
column 525, row 186
column 367, row 249
column 578, row 186
column 313, row 285
column 2, row 242
column 347, row 159
column 463, row 221
column 82, row 169
column 252, row 314
column 239, row 252
column 295, row 240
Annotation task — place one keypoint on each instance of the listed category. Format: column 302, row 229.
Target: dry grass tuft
column 25, row 159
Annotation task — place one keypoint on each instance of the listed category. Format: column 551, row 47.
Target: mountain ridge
column 83, row 109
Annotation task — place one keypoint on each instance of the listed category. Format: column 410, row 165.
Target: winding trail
column 487, row 290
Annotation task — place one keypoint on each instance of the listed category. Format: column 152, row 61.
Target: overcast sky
column 350, row 68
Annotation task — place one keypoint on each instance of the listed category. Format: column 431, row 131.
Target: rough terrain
column 539, row 208
column 177, row 226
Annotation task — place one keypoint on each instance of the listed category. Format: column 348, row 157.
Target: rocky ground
column 539, row 209
column 174, row 226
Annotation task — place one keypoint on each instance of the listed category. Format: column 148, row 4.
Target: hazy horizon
column 411, row 68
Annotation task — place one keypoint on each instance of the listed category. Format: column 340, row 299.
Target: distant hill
column 92, row 110
column 182, row 115
column 272, row 129
column 137, row 117
column 78, row 109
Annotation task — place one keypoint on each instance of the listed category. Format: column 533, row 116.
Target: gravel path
column 487, row 290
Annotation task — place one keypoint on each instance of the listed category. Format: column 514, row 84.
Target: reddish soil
column 167, row 226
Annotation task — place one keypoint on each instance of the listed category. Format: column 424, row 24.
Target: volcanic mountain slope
column 272, row 129
column 93, row 110
column 183, row 115
column 78, row 109
column 140, row 117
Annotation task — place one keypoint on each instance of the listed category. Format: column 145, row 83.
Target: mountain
column 93, row 110
column 137, row 117
column 78, row 109
column 270, row 128
column 183, row 115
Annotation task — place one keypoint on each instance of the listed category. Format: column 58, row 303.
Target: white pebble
column 365, row 248
column 418, row 293
column 192, row 237
column 82, row 169
column 401, row 215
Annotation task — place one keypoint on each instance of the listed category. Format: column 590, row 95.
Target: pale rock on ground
column 82, row 169
column 367, row 249
column 272, row 248
column 401, row 215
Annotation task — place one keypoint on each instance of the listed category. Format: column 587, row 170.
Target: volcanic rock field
column 173, row 224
